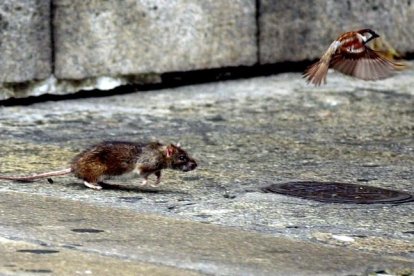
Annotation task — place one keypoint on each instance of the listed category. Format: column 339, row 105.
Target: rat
column 114, row 158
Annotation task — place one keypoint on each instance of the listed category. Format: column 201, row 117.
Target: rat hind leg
column 92, row 181
column 90, row 173
column 92, row 185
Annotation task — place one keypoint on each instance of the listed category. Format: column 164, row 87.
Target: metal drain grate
column 333, row 192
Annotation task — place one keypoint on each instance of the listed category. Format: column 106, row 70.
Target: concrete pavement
column 246, row 134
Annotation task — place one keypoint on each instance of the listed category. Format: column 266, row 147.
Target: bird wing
column 316, row 73
column 366, row 64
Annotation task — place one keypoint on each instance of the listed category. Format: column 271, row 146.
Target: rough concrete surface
column 294, row 30
column 113, row 38
column 32, row 258
column 246, row 134
column 123, row 237
column 25, row 42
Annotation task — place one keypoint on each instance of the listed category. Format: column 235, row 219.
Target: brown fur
column 114, row 158
column 107, row 158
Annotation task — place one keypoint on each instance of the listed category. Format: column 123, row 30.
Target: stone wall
column 295, row 30
column 94, row 40
column 25, row 41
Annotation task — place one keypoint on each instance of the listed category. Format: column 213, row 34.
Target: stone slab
column 25, row 40
column 294, row 30
column 97, row 231
column 19, row 257
column 113, row 38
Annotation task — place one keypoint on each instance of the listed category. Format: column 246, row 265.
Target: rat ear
column 170, row 150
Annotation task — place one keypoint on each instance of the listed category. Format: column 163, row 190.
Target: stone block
column 295, row 30
column 95, row 38
column 25, row 41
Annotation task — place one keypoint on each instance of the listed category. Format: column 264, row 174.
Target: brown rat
column 114, row 158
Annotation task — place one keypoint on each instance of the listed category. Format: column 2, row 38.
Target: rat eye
column 182, row 158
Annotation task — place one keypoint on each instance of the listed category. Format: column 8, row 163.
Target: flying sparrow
column 349, row 55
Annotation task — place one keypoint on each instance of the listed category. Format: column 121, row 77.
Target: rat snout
column 191, row 165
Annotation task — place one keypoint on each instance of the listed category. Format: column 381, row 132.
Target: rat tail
column 36, row 176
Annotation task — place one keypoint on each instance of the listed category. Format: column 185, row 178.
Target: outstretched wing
column 316, row 73
column 365, row 64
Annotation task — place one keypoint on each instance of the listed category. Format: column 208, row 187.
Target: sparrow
column 350, row 55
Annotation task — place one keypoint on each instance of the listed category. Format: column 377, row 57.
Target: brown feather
column 349, row 55
column 367, row 65
column 316, row 73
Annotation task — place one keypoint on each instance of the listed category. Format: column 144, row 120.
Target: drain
column 333, row 192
